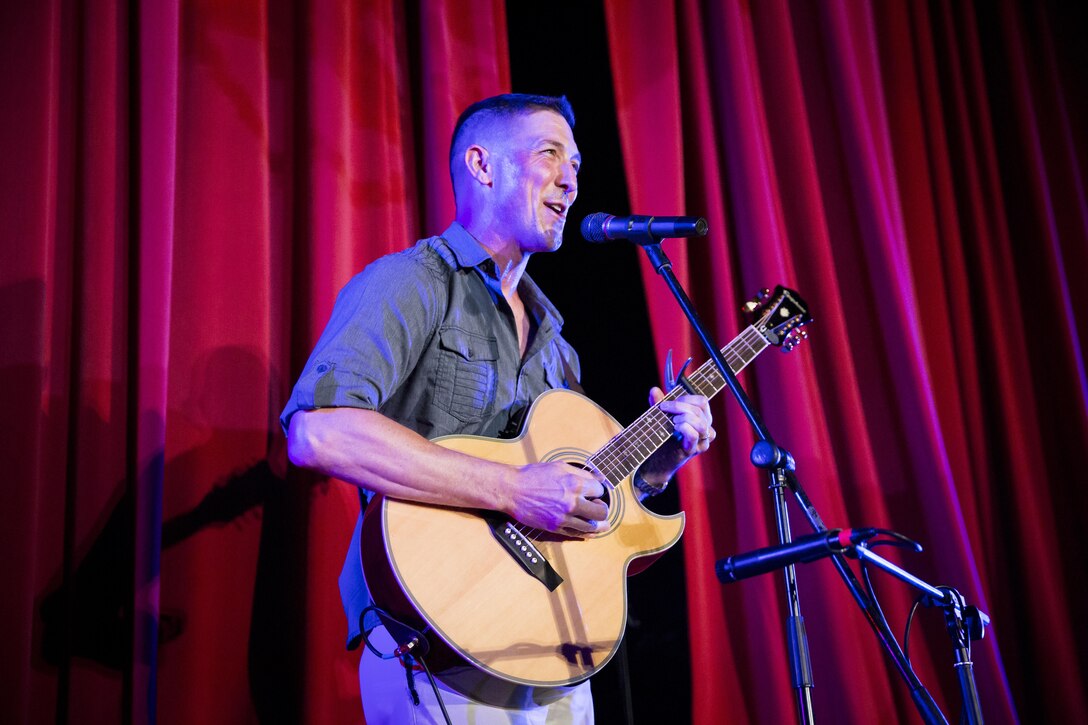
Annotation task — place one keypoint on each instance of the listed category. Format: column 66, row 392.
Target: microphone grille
column 593, row 227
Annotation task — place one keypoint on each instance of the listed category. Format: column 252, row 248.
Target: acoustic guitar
column 529, row 607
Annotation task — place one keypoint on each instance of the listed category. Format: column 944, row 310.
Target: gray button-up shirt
column 425, row 337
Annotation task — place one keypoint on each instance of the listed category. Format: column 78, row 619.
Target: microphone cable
column 893, row 539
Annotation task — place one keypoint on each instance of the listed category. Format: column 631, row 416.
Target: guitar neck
column 628, row 450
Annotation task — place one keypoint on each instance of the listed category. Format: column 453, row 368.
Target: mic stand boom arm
column 963, row 623
column 780, row 464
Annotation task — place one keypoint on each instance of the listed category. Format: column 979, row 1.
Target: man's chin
column 550, row 241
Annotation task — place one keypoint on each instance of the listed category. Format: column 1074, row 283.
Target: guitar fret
column 621, row 456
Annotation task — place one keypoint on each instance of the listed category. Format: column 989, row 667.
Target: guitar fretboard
column 630, row 448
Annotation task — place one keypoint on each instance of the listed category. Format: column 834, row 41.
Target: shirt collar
column 465, row 248
column 470, row 253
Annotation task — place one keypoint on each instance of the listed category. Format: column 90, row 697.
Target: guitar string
column 625, row 453
column 617, row 452
column 614, row 460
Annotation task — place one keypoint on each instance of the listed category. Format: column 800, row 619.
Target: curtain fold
column 153, row 262
column 914, row 171
column 186, row 187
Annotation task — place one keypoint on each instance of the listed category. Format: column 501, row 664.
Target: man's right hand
column 559, row 498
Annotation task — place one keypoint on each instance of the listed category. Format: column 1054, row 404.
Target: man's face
column 536, row 180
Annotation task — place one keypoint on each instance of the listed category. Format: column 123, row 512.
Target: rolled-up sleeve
column 381, row 323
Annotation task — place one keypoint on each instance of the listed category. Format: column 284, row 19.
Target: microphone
column 806, row 549
column 601, row 227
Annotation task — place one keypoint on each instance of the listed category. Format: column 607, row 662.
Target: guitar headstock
column 779, row 316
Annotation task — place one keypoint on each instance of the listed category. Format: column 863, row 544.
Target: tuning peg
column 757, row 301
column 794, row 338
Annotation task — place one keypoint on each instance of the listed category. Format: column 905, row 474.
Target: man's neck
column 510, row 260
column 509, row 272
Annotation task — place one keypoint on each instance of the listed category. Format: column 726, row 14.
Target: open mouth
column 559, row 209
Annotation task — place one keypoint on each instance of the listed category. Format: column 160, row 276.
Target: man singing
column 451, row 336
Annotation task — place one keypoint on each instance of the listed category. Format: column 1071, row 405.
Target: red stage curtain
column 185, row 188
column 916, row 171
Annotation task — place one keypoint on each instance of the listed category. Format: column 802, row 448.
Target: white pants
column 386, row 698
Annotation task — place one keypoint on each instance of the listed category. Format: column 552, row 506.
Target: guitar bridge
column 524, row 552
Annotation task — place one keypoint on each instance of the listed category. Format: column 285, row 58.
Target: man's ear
column 478, row 163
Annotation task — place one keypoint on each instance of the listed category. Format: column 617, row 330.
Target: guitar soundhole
column 606, row 498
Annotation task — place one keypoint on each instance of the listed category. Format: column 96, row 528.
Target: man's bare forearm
column 367, row 449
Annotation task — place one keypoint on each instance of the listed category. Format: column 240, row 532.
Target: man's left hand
column 691, row 421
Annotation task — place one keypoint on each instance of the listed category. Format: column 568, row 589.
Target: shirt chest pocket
column 467, row 374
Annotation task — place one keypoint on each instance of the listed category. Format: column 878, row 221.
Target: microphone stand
column 962, row 622
column 780, row 465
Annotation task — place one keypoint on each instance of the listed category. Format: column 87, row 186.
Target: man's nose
column 568, row 180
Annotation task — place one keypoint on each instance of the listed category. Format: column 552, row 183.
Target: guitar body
column 444, row 567
column 463, row 576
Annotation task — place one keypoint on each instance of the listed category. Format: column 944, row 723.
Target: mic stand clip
column 964, row 624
